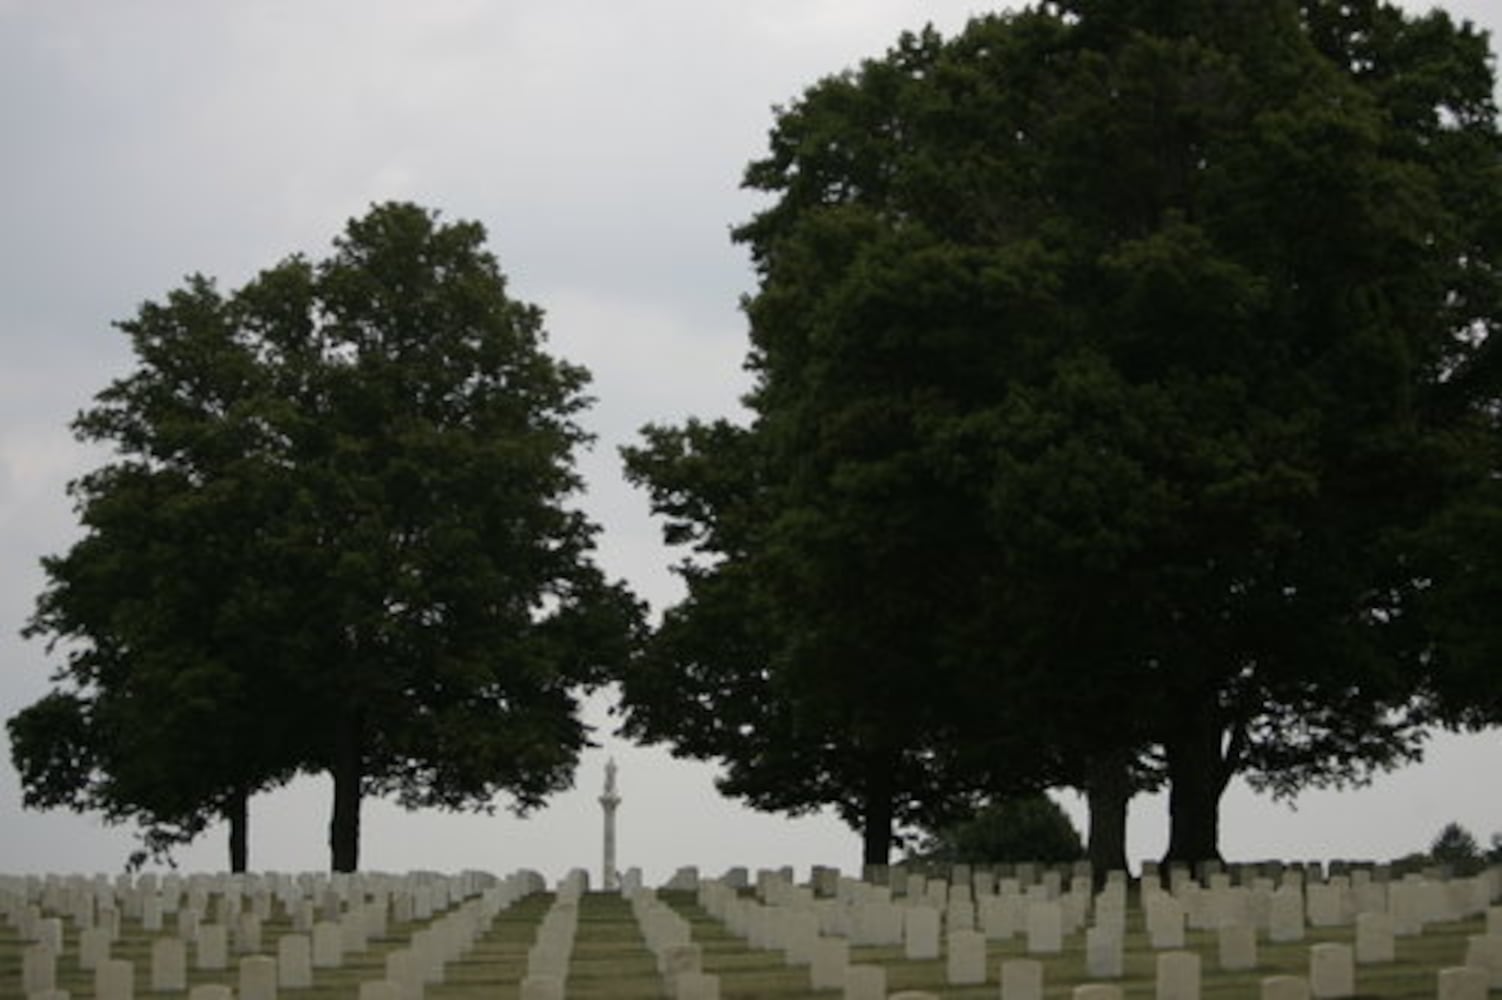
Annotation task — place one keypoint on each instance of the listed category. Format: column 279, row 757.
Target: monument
column 609, row 801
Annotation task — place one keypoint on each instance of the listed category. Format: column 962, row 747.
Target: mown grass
column 610, row 960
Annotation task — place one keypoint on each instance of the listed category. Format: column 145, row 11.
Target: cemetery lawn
column 610, row 960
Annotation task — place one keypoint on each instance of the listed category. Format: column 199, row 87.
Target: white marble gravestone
column 257, row 978
column 1332, row 971
column 1484, row 951
column 1096, row 991
column 831, row 957
column 1045, row 928
column 1374, row 938
column 328, row 945
column 1464, row 982
column 38, row 969
column 697, row 986
column 211, row 991
column 542, row 987
column 114, row 979
column 920, row 932
column 965, row 958
column 380, row 989
column 294, row 961
column 1104, row 953
column 865, row 982
column 169, row 965
column 1286, row 915
column 1178, row 976
column 93, row 947
column 1021, row 979
column 1237, row 945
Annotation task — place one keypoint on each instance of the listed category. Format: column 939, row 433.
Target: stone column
column 609, row 801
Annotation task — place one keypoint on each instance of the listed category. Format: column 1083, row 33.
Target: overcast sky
column 601, row 143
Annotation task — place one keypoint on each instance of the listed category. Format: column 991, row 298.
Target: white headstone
column 1484, row 951
column 257, row 978
column 211, row 948
column 697, row 986
column 169, row 965
column 1096, row 991
column 1045, row 928
column 1104, row 954
column 1465, row 982
column 151, row 913
column 49, row 931
column 1332, row 971
column 1405, row 907
column 1325, row 905
column 1022, row 979
column 1178, row 976
column 676, row 959
column 965, row 958
column 380, row 989
column 403, row 969
column 1286, row 915
column 38, row 969
column 920, row 932
column 294, row 961
column 114, row 979
column 1165, row 922
column 865, row 982
column 328, row 945
column 93, row 947
column 248, row 933
column 1374, row 938
column 1000, row 916
column 211, row 991
column 1238, row 947
column 800, row 931
column 831, row 956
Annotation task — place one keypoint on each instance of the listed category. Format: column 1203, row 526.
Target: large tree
column 390, row 565
column 1111, row 358
column 173, row 704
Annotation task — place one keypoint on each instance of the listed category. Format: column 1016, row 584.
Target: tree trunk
column 348, row 774
column 1197, row 775
column 237, row 811
column 1108, row 788
column 876, row 817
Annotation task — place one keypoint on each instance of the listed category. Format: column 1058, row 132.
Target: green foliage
column 1115, row 366
column 1024, row 828
column 1457, row 850
column 336, row 538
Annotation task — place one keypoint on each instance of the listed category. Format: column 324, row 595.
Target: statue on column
column 610, row 878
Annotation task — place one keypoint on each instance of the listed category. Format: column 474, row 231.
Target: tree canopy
column 335, row 537
column 1115, row 363
column 1024, row 828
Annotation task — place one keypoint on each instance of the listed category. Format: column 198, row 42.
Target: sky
column 601, row 143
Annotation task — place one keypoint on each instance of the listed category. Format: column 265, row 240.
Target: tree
column 1026, row 828
column 1111, row 359
column 381, row 531
column 175, row 710
column 1456, row 849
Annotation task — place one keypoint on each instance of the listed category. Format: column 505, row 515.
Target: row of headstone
column 680, row 962
column 99, row 902
column 407, row 970
column 925, row 925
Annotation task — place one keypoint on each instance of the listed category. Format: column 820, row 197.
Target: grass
column 610, row 960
